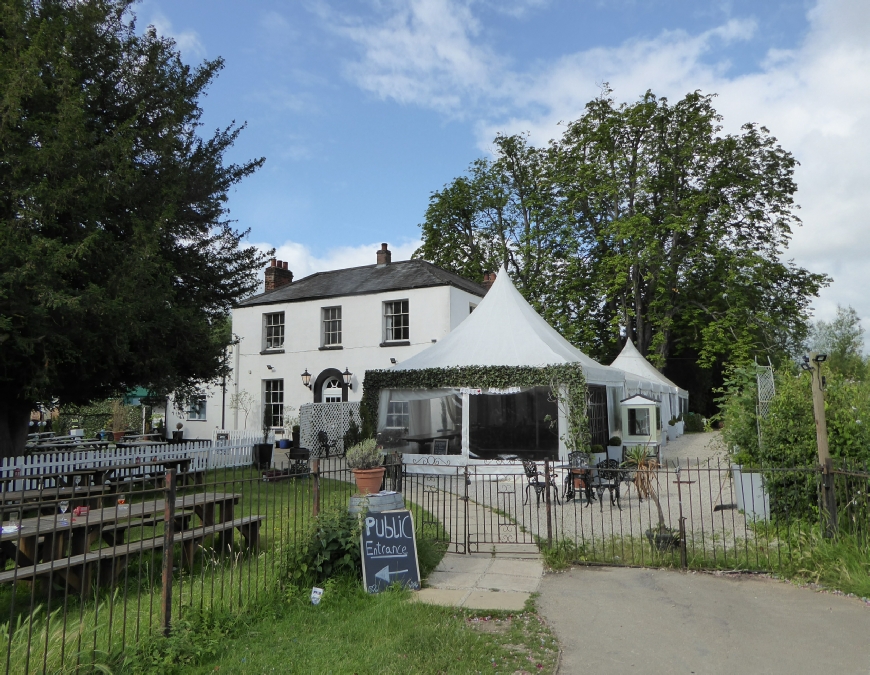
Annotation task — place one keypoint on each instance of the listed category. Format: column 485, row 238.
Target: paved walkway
column 484, row 581
column 622, row 620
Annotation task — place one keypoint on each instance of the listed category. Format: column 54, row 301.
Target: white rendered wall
column 433, row 312
column 201, row 429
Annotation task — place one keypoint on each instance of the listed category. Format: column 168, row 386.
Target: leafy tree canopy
column 643, row 221
column 118, row 264
column 842, row 340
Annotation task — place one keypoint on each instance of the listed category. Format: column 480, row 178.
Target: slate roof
column 397, row 276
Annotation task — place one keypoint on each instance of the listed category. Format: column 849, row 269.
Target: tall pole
column 819, row 411
column 829, row 499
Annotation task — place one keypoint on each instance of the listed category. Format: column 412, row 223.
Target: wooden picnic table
column 87, row 493
column 67, row 542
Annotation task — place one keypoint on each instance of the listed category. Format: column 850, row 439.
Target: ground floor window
column 273, row 402
column 196, row 408
column 638, row 422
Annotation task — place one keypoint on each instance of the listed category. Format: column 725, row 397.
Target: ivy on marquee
column 566, row 381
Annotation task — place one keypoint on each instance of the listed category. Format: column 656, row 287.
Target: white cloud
column 303, row 262
column 814, row 98
column 423, row 52
column 187, row 41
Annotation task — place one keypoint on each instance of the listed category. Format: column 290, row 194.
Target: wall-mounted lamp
column 393, row 360
column 306, row 378
column 270, row 367
column 347, row 375
column 820, row 358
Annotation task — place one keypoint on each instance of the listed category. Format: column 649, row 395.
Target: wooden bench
column 78, row 570
column 114, row 534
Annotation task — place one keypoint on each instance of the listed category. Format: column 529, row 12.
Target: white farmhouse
column 330, row 327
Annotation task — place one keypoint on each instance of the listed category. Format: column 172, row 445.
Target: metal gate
column 480, row 507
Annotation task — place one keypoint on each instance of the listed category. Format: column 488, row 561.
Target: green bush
column 330, row 548
column 694, row 422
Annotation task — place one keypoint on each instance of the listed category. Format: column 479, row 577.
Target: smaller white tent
column 642, row 378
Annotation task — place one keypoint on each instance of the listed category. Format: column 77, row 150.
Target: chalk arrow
column 384, row 574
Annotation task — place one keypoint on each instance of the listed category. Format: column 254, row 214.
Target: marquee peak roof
column 504, row 330
column 631, row 361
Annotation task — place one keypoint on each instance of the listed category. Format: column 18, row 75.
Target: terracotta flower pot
column 118, row 435
column 368, row 481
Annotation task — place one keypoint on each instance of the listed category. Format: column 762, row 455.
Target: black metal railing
column 91, row 572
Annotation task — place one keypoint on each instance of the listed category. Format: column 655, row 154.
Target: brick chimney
column 488, row 279
column 385, row 256
column 277, row 275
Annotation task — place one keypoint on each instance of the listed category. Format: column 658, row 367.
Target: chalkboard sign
column 389, row 551
column 439, row 446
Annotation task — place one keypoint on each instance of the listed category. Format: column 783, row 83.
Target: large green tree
column 842, row 339
column 117, row 260
column 644, row 221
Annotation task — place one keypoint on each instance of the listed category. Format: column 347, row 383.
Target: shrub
column 694, row 422
column 597, row 448
column 614, row 440
column 353, row 435
column 330, row 548
column 364, row 455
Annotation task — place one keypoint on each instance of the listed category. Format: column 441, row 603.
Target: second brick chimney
column 277, row 275
column 488, row 279
column 385, row 256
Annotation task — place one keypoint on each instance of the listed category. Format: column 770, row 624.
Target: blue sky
column 363, row 108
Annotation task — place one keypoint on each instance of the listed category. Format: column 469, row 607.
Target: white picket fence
column 206, row 455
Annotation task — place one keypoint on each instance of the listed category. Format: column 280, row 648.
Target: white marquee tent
column 503, row 330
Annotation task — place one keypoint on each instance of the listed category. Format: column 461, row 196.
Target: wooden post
column 819, row 411
column 829, row 498
column 168, row 550
column 547, row 500
column 315, row 475
column 684, row 562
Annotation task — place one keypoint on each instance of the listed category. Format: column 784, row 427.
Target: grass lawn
column 98, row 629
column 352, row 632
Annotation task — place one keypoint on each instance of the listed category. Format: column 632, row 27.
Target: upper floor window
column 331, row 326
column 196, row 408
column 396, row 321
column 273, row 330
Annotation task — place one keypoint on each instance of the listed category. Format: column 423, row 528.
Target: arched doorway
column 331, row 392
column 329, row 387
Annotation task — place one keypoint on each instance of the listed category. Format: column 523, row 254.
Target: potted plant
column 661, row 537
column 119, row 419
column 750, row 489
column 178, row 434
column 614, row 447
column 598, row 453
column 263, row 451
column 290, row 423
column 365, row 459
